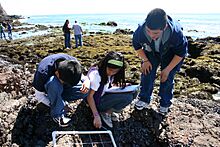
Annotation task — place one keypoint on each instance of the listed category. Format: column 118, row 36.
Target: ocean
column 194, row 25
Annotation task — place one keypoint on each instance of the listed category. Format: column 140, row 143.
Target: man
column 78, row 34
column 9, row 31
column 159, row 41
column 56, row 81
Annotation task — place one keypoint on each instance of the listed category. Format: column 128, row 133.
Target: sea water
column 194, row 25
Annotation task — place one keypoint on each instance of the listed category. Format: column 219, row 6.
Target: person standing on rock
column 109, row 71
column 56, row 81
column 159, row 41
column 2, row 31
column 9, row 30
column 67, row 36
column 78, row 34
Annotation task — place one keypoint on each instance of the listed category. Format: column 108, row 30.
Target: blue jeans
column 78, row 38
column 147, row 81
column 2, row 34
column 67, row 40
column 57, row 93
column 10, row 35
column 115, row 101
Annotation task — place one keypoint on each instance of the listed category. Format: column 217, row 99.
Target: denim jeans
column 115, row 101
column 67, row 40
column 147, row 81
column 57, row 93
column 2, row 34
column 78, row 38
column 10, row 35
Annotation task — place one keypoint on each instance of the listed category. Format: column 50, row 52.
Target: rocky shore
column 194, row 119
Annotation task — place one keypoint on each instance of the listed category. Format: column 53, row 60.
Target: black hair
column 119, row 78
column 65, row 26
column 156, row 19
column 70, row 72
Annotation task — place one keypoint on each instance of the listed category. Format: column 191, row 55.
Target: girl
column 109, row 71
column 66, row 31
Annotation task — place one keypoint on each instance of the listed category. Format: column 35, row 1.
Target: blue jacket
column 47, row 68
column 175, row 44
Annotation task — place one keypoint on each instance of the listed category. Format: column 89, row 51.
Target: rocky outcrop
column 2, row 11
column 5, row 17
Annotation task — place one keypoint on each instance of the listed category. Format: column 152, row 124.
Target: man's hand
column 146, row 67
column 164, row 75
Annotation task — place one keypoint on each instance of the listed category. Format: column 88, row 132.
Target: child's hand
column 97, row 122
column 85, row 86
column 84, row 89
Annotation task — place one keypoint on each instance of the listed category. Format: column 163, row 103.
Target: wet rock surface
column 193, row 119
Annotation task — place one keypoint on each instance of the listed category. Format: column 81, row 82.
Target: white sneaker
column 107, row 119
column 163, row 110
column 141, row 105
column 115, row 116
column 62, row 121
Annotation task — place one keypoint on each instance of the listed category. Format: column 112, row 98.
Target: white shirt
column 95, row 80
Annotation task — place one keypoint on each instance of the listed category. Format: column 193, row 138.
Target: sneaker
column 115, row 116
column 107, row 119
column 141, row 105
column 163, row 110
column 62, row 121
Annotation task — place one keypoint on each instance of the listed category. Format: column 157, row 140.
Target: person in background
column 9, row 31
column 159, row 41
column 78, row 34
column 110, row 70
column 56, row 81
column 66, row 31
column 2, row 31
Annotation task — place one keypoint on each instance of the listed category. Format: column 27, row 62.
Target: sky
column 45, row 7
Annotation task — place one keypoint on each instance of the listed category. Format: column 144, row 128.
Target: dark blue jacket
column 175, row 45
column 47, row 68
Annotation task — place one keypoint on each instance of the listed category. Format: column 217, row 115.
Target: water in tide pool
column 195, row 25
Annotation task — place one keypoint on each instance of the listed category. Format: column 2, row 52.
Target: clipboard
column 130, row 88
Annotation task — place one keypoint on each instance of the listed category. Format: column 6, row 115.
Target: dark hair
column 119, row 78
column 66, row 22
column 70, row 71
column 156, row 19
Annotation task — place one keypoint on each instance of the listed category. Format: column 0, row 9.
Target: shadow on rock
column 142, row 128
column 32, row 126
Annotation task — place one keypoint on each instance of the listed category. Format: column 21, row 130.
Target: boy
column 55, row 81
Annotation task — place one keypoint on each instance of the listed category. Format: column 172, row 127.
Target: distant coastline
column 195, row 25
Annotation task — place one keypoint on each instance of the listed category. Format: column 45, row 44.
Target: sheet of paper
column 115, row 89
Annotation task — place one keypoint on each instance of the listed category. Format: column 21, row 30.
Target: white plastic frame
column 55, row 133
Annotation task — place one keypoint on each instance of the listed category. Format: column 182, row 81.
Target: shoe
column 141, row 105
column 163, row 110
column 115, row 116
column 62, row 121
column 107, row 119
